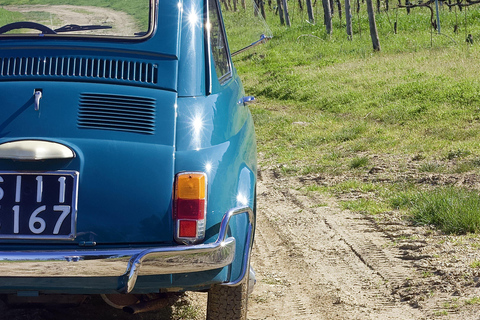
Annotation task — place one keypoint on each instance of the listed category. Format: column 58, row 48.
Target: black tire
column 228, row 303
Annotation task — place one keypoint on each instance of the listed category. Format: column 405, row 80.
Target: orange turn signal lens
column 191, row 186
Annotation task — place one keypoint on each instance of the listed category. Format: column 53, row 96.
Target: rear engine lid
column 119, row 180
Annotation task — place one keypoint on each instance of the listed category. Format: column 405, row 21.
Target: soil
column 316, row 261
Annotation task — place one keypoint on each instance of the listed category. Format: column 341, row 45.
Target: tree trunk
column 348, row 16
column 310, row 11
column 332, row 8
column 373, row 26
column 244, row 5
column 285, row 11
column 378, row 6
column 255, row 8
column 327, row 14
column 280, row 12
column 235, row 5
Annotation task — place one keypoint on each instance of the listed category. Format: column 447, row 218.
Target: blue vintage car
column 127, row 154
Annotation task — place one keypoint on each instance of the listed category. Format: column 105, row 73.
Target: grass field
column 332, row 107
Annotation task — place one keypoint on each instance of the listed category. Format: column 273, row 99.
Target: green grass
column 452, row 210
column 330, row 106
column 8, row 16
column 412, row 97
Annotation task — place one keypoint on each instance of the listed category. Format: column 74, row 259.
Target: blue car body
column 116, row 119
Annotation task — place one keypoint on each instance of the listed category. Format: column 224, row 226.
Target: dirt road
column 60, row 15
column 315, row 261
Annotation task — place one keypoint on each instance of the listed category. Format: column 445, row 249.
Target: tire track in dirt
column 317, row 262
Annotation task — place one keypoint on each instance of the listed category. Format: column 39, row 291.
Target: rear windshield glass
column 105, row 18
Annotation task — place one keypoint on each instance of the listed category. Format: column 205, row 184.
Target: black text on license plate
column 38, row 205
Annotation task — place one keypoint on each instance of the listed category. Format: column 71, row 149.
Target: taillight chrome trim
column 200, row 223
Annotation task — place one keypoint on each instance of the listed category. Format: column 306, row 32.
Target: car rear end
column 127, row 154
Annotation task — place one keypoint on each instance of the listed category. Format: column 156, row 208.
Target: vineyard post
column 339, row 6
column 310, row 11
column 348, row 17
column 373, row 26
column 262, row 10
column 327, row 14
column 438, row 16
column 285, row 10
column 280, row 12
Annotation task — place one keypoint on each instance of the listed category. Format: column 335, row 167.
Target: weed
column 314, row 188
column 453, row 210
column 449, row 305
column 474, row 300
column 358, row 162
column 464, row 167
column 475, row 264
column 430, row 167
column 289, row 170
column 319, row 205
column 441, row 313
column 427, row 274
column 453, row 154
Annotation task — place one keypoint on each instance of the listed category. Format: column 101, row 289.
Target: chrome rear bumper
column 128, row 264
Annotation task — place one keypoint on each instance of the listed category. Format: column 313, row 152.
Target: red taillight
column 187, row 229
column 189, row 207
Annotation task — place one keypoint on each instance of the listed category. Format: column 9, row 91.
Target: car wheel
column 228, row 303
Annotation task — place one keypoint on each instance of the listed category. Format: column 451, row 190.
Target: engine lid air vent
column 79, row 68
column 117, row 113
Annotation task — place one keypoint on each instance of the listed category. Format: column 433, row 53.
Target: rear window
column 97, row 18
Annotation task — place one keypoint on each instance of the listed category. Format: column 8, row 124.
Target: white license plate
column 38, row 205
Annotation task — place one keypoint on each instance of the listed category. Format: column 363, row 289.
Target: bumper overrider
column 128, row 264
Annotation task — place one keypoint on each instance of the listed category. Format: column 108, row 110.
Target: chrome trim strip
column 128, row 264
column 35, row 150
column 248, row 243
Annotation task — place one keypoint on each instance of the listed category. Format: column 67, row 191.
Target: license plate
column 38, row 205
